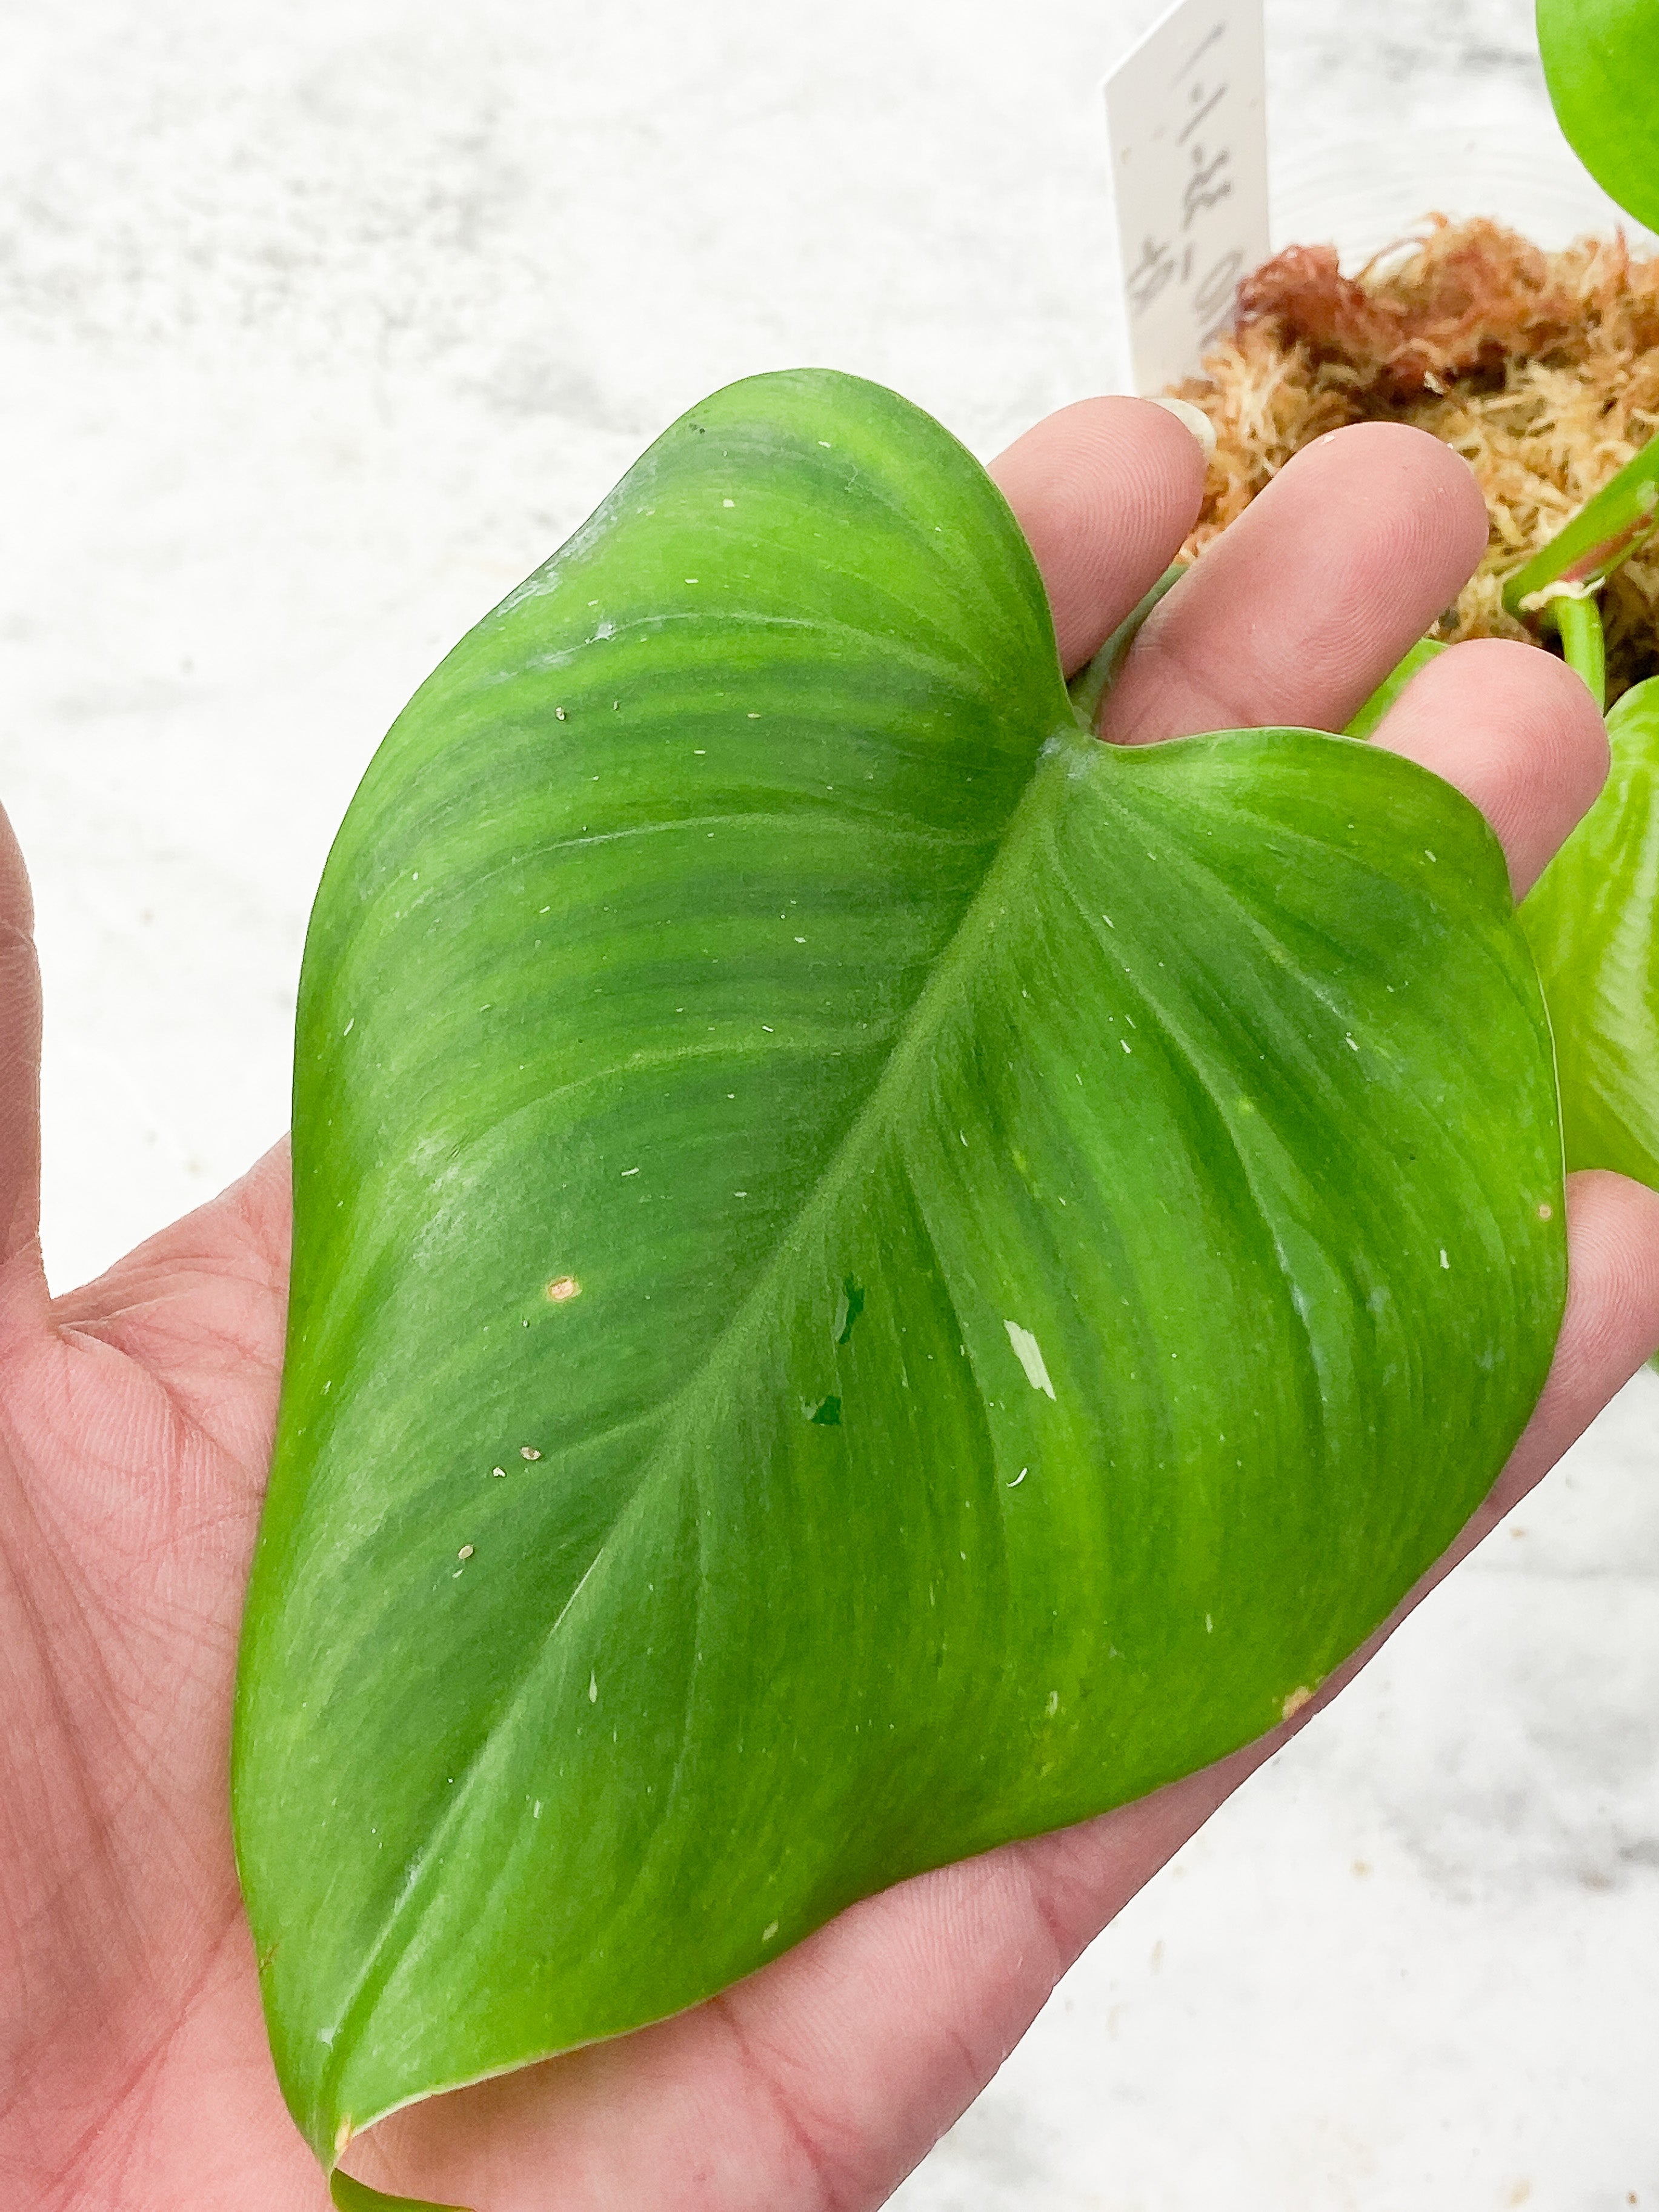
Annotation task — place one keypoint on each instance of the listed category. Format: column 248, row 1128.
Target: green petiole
column 1089, row 687
column 1584, row 644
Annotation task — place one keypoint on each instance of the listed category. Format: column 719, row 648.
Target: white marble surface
column 318, row 327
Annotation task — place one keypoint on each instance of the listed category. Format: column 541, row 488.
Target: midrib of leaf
column 1022, row 846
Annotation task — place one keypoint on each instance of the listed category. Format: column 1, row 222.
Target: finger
column 1300, row 608
column 1105, row 491
column 1517, row 732
column 23, row 1282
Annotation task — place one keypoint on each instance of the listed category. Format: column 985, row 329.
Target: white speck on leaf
column 501, row 1471
column 1054, row 1702
column 560, row 715
column 528, row 1451
column 768, row 1931
column 561, row 1290
column 1445, row 1261
column 1126, row 1044
column 536, row 1810
column 1028, row 1354
column 1019, row 1478
column 593, row 1689
column 349, row 1026
column 1209, row 1625
column 1349, row 1042
column 465, row 1552
column 1302, row 1695
column 728, row 502
column 628, row 1171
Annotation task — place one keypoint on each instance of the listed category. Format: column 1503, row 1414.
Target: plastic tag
column 1186, row 117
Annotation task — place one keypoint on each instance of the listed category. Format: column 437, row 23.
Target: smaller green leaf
column 1364, row 723
column 1593, row 923
column 1601, row 64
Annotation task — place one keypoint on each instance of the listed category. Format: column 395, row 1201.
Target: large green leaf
column 872, row 1275
column 1602, row 65
column 1593, row 921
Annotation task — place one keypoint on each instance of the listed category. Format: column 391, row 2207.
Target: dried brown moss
column 1541, row 369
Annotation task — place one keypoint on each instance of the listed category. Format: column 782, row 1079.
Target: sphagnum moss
column 1541, row 369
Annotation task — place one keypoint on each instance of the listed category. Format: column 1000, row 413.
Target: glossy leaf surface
column 1602, row 65
column 871, row 1275
column 1593, row 921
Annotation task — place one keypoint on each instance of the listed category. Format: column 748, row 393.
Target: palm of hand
column 137, row 1423
column 135, row 1428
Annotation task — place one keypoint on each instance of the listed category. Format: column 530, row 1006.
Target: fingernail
column 1194, row 417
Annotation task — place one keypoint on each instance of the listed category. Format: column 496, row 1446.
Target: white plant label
column 1185, row 117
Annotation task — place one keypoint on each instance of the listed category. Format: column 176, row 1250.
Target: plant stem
column 1584, row 644
column 1089, row 687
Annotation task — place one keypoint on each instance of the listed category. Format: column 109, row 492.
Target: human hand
column 135, row 1428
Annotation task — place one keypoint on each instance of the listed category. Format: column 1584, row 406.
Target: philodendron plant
column 872, row 1275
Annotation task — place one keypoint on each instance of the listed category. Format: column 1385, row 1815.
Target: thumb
column 22, row 1279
